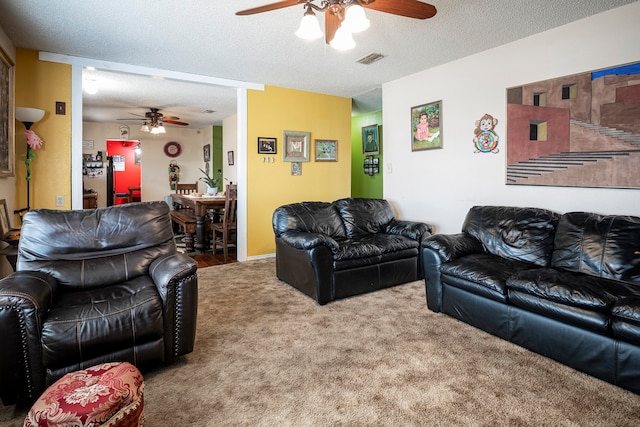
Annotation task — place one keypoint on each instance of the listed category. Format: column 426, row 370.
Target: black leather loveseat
column 348, row 247
column 94, row 286
column 565, row 286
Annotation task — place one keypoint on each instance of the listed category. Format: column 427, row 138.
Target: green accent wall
column 216, row 152
column 364, row 185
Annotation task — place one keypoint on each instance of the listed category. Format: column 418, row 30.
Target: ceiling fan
column 153, row 121
column 336, row 10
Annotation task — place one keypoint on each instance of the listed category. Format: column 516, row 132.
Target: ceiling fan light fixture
column 145, row 127
column 90, row 86
column 309, row 26
column 343, row 40
column 355, row 19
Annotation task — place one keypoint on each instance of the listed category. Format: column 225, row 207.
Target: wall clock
column 172, row 149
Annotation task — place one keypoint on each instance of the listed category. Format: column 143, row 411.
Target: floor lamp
column 28, row 116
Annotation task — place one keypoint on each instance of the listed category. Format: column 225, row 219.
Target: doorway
column 123, row 172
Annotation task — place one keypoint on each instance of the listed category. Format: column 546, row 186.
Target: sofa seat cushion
column 82, row 324
column 625, row 319
column 484, row 274
column 580, row 299
column 371, row 249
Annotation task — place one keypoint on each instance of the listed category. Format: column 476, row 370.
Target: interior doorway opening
column 123, row 171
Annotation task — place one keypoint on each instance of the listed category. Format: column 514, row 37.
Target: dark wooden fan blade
column 174, row 122
column 269, row 7
column 331, row 23
column 409, row 8
column 134, row 114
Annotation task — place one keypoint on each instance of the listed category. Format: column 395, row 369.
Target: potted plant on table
column 212, row 183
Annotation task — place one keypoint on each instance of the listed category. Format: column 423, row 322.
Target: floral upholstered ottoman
column 110, row 394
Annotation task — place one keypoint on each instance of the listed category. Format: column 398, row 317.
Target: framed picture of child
column 370, row 140
column 426, row 130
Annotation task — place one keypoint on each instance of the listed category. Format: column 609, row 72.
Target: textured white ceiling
column 206, row 37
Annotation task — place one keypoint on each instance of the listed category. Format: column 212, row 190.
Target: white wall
column 439, row 186
column 155, row 164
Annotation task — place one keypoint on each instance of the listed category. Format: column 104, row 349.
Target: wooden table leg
column 201, row 228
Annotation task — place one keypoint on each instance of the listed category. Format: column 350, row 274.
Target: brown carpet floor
column 266, row 355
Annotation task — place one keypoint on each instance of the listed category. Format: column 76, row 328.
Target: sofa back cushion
column 308, row 217
column 86, row 249
column 601, row 245
column 364, row 216
column 522, row 234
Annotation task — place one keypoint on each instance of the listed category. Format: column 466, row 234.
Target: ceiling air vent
column 371, row 58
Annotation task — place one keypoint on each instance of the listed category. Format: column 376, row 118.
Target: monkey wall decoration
column 486, row 140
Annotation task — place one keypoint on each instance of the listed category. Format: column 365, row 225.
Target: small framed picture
column 267, row 145
column 426, row 131
column 206, row 152
column 124, row 132
column 296, row 168
column 230, row 158
column 296, row 146
column 370, row 140
column 326, row 150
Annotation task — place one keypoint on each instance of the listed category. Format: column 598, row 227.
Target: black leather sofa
column 348, row 247
column 564, row 286
column 94, row 286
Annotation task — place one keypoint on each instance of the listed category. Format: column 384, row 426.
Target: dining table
column 200, row 205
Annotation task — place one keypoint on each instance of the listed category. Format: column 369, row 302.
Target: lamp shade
column 29, row 115
column 355, row 19
column 309, row 27
column 343, row 40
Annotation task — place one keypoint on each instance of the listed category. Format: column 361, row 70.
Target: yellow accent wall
column 269, row 185
column 40, row 84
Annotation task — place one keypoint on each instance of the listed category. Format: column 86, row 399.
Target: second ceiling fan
column 153, row 121
column 338, row 11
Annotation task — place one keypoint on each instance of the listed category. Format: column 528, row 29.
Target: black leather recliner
column 94, row 286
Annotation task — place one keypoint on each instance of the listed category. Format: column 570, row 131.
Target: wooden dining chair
column 224, row 232
column 9, row 235
column 185, row 189
column 183, row 217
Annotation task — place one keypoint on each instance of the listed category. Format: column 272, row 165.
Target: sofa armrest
column 438, row 249
column 414, row 230
column 308, row 270
column 177, row 282
column 302, row 240
column 25, row 298
column 450, row 247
